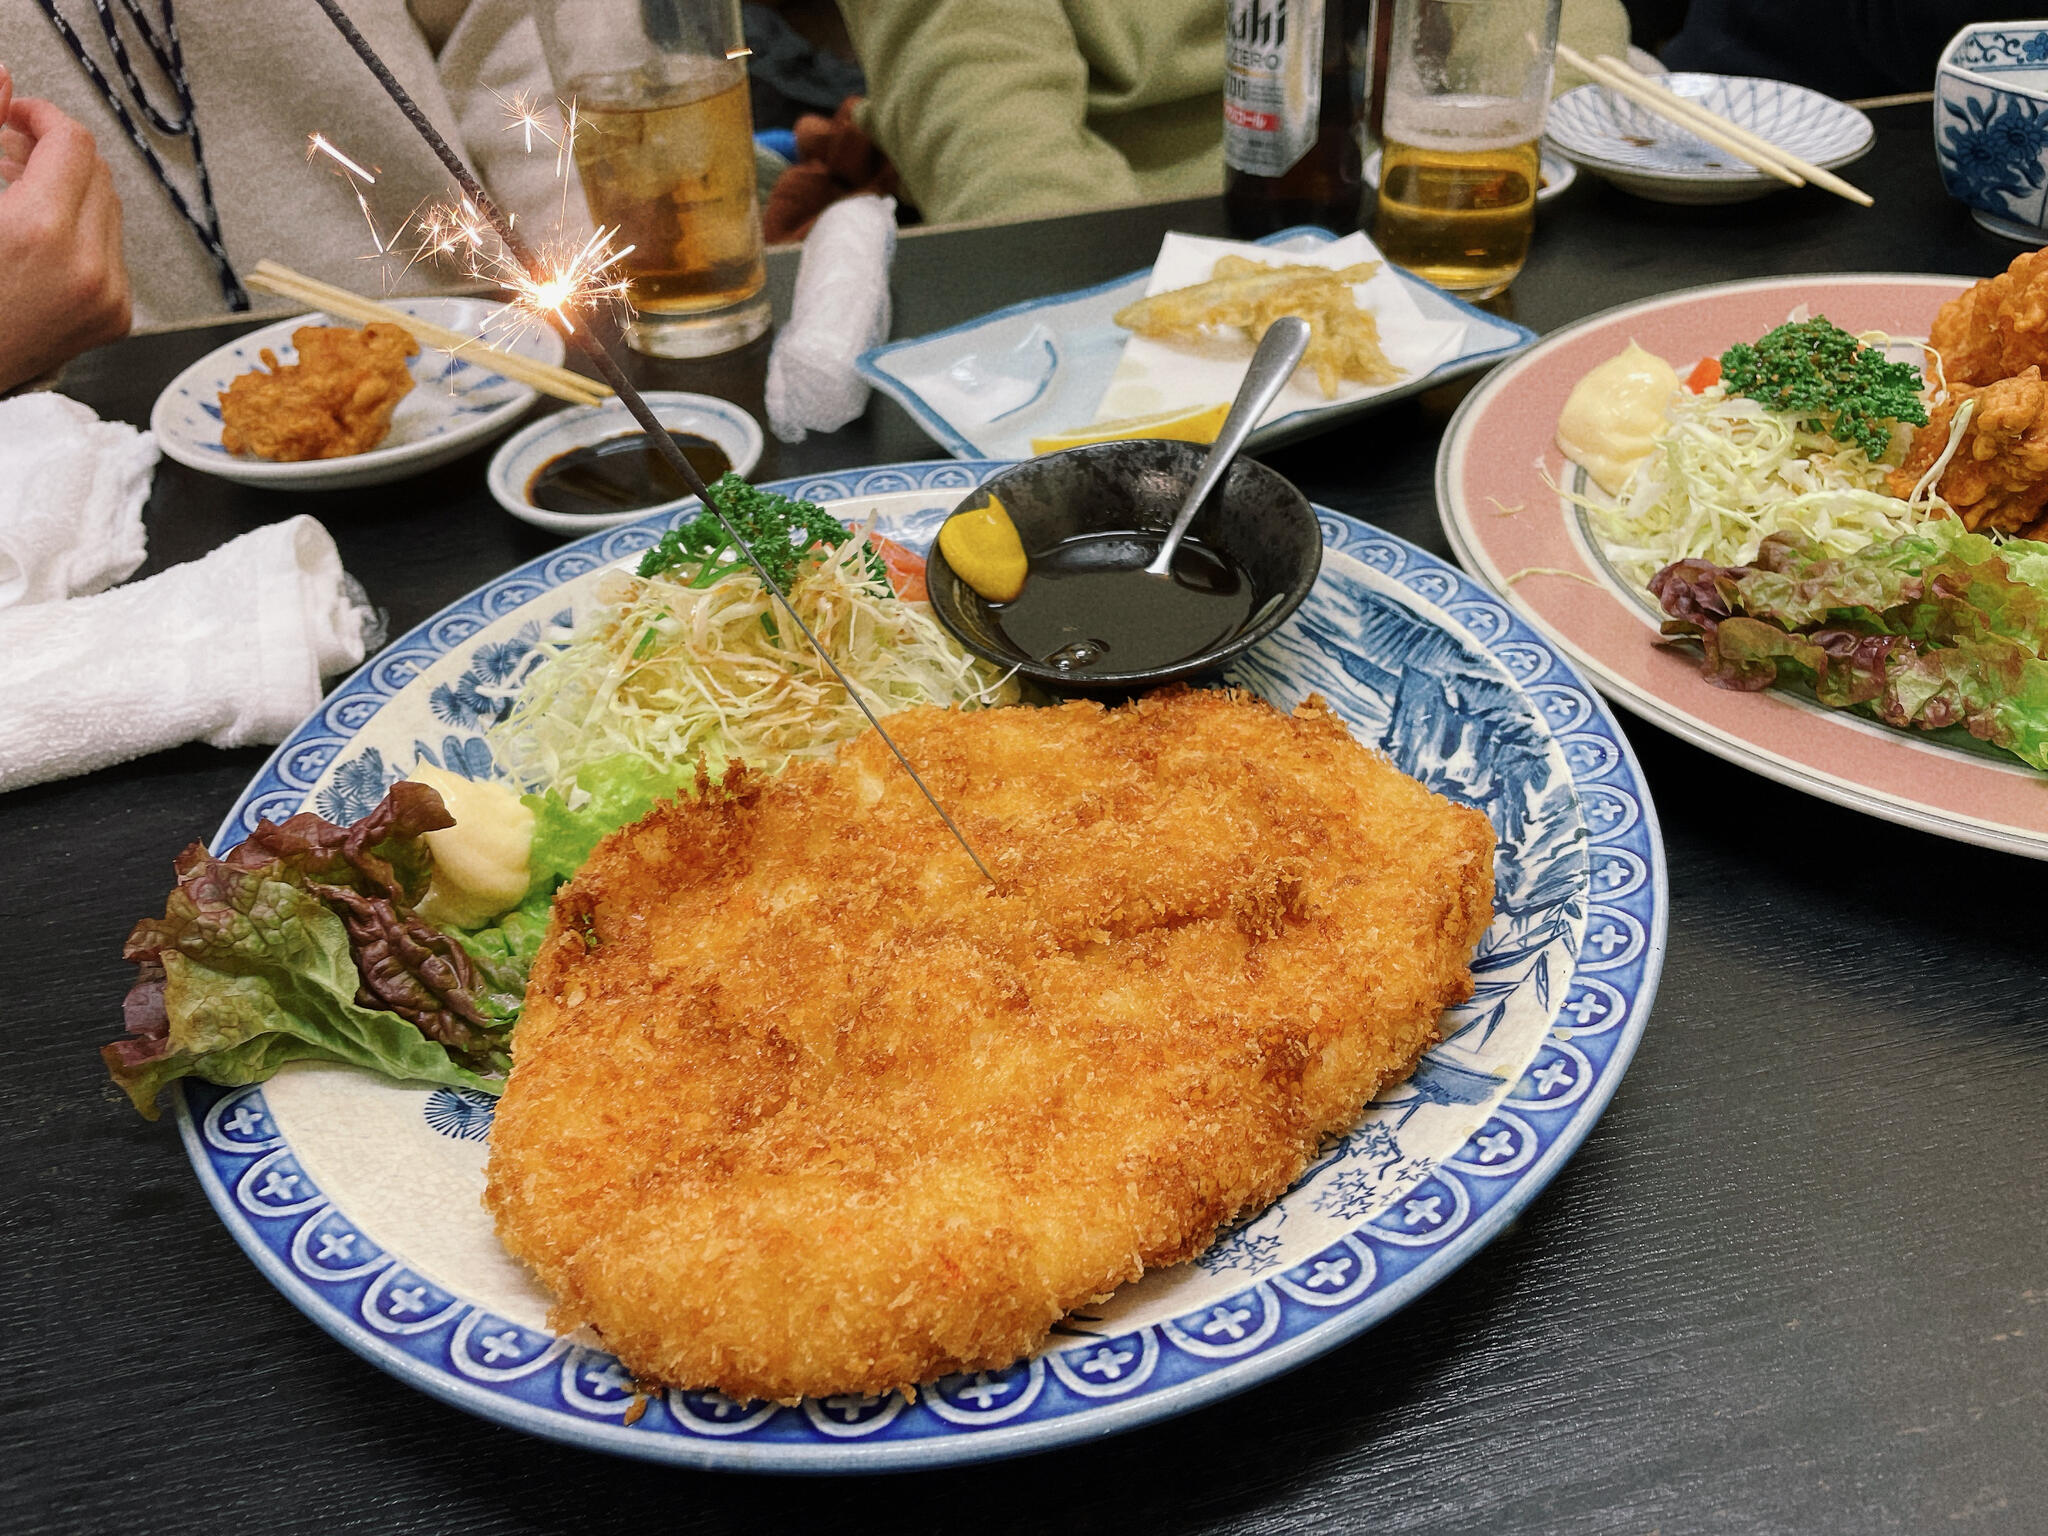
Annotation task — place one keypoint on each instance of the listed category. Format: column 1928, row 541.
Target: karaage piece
column 1997, row 328
column 1998, row 479
column 803, row 1105
column 337, row 399
column 1247, row 295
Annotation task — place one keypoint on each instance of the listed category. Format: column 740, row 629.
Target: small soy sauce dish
column 1089, row 620
column 590, row 467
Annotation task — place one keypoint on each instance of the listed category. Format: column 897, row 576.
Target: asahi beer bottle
column 1294, row 89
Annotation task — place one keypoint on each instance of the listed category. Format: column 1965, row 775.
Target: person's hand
column 63, row 284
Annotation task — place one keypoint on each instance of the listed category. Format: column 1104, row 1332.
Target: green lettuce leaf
column 1940, row 628
column 248, row 970
column 508, row 945
column 613, row 793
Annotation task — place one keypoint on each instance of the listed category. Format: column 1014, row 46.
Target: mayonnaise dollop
column 480, row 862
column 1613, row 416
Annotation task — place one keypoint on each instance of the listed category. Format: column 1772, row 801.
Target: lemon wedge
column 982, row 546
column 1190, row 424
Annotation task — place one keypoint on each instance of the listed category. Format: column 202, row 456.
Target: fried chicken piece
column 802, row 1105
column 337, row 399
column 1997, row 328
column 1998, row 479
column 1247, row 295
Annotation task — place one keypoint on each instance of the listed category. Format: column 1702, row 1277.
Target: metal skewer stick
column 608, row 366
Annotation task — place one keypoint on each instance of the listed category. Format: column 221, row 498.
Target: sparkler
column 537, row 283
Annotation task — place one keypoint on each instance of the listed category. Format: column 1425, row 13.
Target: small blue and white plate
column 456, row 403
column 1043, row 366
column 1654, row 158
column 533, row 447
column 360, row 1198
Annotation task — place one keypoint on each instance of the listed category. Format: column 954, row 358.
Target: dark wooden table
column 1797, row 1280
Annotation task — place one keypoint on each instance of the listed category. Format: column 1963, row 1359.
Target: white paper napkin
column 839, row 310
column 71, row 494
column 1156, row 376
column 228, row 650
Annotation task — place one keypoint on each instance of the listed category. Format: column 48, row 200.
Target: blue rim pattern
column 1607, row 132
column 1508, row 338
column 403, row 1322
column 1996, row 50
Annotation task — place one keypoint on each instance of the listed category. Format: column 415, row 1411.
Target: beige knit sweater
column 264, row 75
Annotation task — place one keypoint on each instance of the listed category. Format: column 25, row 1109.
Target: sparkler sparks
column 567, row 280
column 320, row 144
column 525, row 116
column 570, row 280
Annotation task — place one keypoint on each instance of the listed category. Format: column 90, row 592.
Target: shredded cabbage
column 668, row 673
column 1727, row 473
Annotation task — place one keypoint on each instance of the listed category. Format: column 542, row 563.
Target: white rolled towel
column 71, row 494
column 229, row 650
column 839, row 310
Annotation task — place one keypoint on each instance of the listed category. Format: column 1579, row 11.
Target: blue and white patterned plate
column 1654, row 158
column 359, row 1198
column 456, row 403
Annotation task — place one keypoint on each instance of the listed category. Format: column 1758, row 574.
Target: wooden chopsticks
column 561, row 383
column 1730, row 138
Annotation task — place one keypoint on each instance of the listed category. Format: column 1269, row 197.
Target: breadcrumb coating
column 802, row 1105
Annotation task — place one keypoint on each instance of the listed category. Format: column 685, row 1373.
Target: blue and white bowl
column 533, row 447
column 1656, row 159
column 457, row 402
column 1991, row 126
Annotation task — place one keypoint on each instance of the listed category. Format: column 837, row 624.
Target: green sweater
column 1005, row 108
column 1010, row 107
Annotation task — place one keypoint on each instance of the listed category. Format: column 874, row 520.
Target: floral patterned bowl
column 1991, row 126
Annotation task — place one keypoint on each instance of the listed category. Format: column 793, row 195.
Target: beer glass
column 664, row 145
column 1467, row 85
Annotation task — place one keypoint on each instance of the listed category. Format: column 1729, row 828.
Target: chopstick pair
column 561, row 383
column 1730, row 138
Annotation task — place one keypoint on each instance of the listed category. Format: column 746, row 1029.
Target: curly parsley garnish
column 783, row 535
column 1816, row 370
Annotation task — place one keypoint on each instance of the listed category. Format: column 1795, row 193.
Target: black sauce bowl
column 1256, row 517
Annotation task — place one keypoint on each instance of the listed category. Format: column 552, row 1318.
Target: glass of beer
column 664, row 146
column 1467, row 85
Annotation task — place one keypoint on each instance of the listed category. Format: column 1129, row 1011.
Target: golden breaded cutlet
column 802, row 1105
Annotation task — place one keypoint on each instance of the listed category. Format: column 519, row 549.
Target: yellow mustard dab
column 480, row 862
column 982, row 546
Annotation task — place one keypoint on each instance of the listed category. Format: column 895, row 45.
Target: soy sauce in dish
column 620, row 474
column 1088, row 605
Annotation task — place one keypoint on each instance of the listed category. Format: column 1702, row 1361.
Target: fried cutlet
column 802, row 1105
column 337, row 399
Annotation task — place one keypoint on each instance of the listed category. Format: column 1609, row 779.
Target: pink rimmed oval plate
column 1498, row 478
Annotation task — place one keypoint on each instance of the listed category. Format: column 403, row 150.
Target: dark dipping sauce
column 621, row 474
column 1088, row 605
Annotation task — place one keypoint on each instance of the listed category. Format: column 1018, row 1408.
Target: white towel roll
column 71, row 494
column 229, row 650
column 839, row 310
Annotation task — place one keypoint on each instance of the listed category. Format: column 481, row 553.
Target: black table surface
column 1796, row 1280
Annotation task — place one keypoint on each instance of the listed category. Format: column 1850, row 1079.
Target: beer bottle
column 1295, row 83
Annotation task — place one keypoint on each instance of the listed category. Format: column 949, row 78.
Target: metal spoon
column 1272, row 365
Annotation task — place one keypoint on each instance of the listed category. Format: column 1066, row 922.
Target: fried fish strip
column 337, row 399
column 802, row 1106
column 1247, row 295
